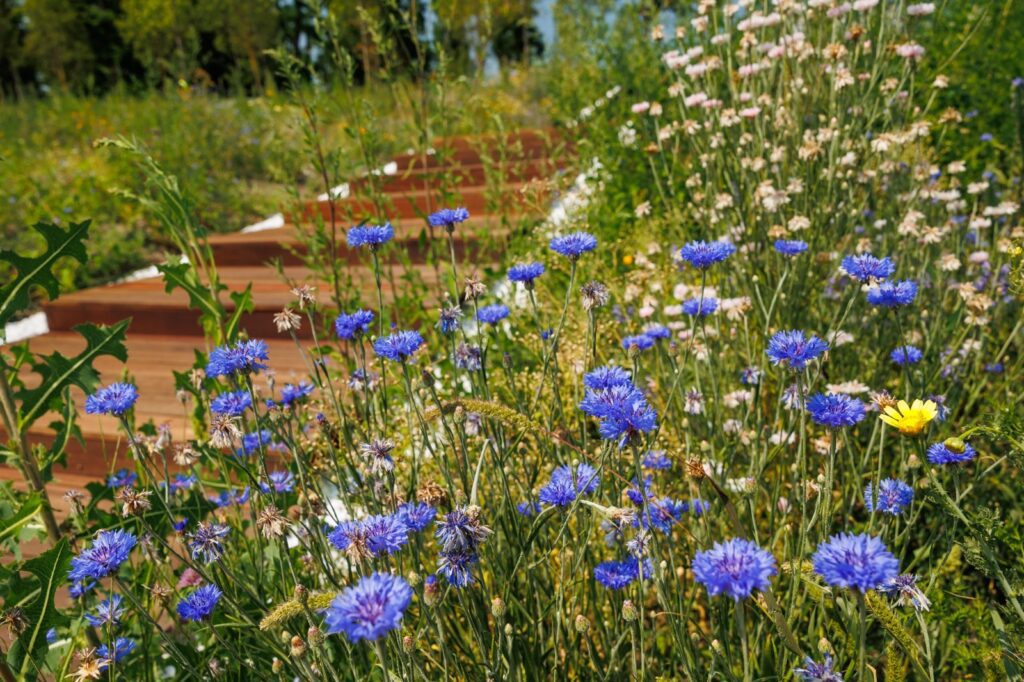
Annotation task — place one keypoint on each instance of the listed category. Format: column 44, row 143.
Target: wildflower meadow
column 738, row 399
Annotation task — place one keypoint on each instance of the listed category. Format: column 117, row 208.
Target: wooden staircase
column 487, row 175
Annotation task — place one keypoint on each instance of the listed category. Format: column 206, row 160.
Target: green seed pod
column 629, row 612
column 956, row 445
column 582, row 624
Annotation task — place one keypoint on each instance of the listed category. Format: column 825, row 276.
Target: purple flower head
column 641, row 341
column 243, row 357
column 457, row 566
column 663, row 513
column 252, row 442
column 460, row 530
column 369, row 609
column 906, row 355
column 115, row 399
column 526, row 273
column 623, row 411
column 867, row 268
column 295, row 393
column 469, row 358
column 565, row 485
column 122, row 478
column 656, row 459
column 206, row 542
column 279, row 482
column 373, row 535
column 790, row 247
column 859, row 562
column 893, row 497
column 702, row 255
column 448, row 218
column 373, row 236
column 834, row 410
column 529, row 508
column 200, row 603
column 108, row 612
column 227, row 498
column 416, row 515
column 695, row 307
column 606, row 377
column 232, row 403
column 492, row 314
column 122, row 647
column 735, row 567
column 448, row 321
column 398, row 346
column 616, row 575
column 904, row 589
column 818, row 672
column 794, row 350
column 658, row 332
column 951, row 452
column 636, row 495
column 574, row 245
column 893, row 294
column 109, row 550
column 348, row 326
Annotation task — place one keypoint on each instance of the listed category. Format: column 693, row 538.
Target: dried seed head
column 595, row 295
column 287, row 320
column 133, row 502
column 432, row 494
column 272, row 524
column 224, row 431
column 184, row 455
column 305, row 294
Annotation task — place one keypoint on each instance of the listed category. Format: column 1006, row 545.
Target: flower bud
column 431, row 591
column 285, row 636
column 824, row 646
column 408, row 644
column 716, row 646
column 298, row 646
column 629, row 612
column 497, row 607
column 955, row 445
column 428, row 378
column 301, row 594
column 582, row 624
column 508, row 629
column 413, row 579
column 314, row 636
column 276, row 666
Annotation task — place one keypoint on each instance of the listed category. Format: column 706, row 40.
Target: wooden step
column 154, row 311
column 468, row 150
column 479, row 238
column 417, row 176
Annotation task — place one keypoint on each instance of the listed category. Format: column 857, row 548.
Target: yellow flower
column 910, row 419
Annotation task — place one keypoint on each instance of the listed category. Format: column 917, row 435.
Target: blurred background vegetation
column 198, row 83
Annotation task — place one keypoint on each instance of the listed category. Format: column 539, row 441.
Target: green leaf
column 201, row 298
column 243, row 304
column 64, row 430
column 58, row 371
column 36, row 599
column 38, row 271
column 26, row 512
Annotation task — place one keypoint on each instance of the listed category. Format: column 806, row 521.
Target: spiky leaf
column 35, row 597
column 38, row 271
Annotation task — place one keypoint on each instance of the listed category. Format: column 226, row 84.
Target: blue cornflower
column 697, row 307
column 369, row 609
column 703, row 255
column 122, row 647
column 244, row 356
column 794, row 350
column 448, row 322
column 115, row 399
column 227, row 498
column 206, row 541
column 252, row 441
column 623, row 411
column 373, row 236
column 492, row 314
column 893, row 497
column 232, row 403
column 51, row 635
column 199, row 604
column 606, row 377
column 469, row 358
column 122, row 478
column 906, row 355
column 564, row 487
column 641, row 341
column 456, row 566
column 867, row 268
column 835, row 410
column 348, row 326
column 658, row 332
column 656, row 459
column 398, row 346
column 790, row 247
column 416, row 515
column 526, row 273
column 108, row 612
column 81, row 588
column 904, row 589
column 279, row 482
column 448, row 218
column 699, row 506
column 529, row 508
column 109, row 550
column 750, row 376
column 574, row 245
column 736, row 567
column 818, row 672
column 635, row 495
column 855, row 561
column 373, row 535
column 295, row 393
column 663, row 513
column 182, row 482
column 461, row 530
column 893, row 294
column 616, row 575
column 951, row 451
